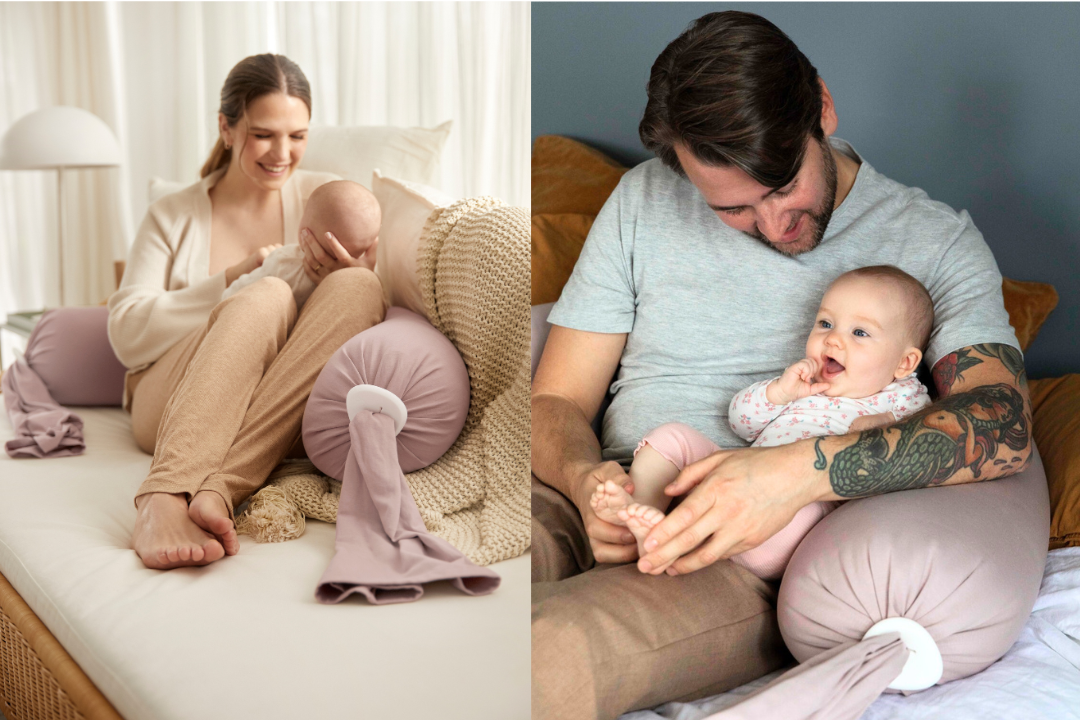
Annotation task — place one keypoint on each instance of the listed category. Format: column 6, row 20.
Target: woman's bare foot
column 639, row 520
column 608, row 499
column 208, row 511
column 165, row 537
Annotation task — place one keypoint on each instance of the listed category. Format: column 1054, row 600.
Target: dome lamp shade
column 58, row 137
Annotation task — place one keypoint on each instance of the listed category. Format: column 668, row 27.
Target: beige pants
column 224, row 406
column 607, row 639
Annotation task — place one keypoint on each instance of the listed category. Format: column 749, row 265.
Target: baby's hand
column 796, row 383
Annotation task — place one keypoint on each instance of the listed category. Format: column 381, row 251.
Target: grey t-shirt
column 710, row 311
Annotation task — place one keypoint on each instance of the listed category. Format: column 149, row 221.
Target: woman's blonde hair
column 249, row 80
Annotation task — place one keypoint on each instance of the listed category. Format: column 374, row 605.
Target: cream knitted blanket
column 474, row 270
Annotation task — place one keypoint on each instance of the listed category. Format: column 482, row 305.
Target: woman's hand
column 324, row 255
column 250, row 263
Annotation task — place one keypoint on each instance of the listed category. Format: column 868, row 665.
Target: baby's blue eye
column 861, row 333
column 825, row 324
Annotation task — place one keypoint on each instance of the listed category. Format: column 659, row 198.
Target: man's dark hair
column 736, row 91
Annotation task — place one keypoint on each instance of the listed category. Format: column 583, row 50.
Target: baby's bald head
column 346, row 209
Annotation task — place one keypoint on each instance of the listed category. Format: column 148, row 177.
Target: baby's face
column 860, row 337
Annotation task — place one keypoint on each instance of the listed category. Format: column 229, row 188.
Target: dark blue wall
column 976, row 103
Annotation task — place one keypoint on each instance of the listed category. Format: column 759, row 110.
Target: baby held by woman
column 343, row 209
column 858, row 373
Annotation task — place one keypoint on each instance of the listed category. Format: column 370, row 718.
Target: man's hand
column 610, row 543
column 738, row 499
column 796, row 383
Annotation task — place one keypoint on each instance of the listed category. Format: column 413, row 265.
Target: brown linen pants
column 224, row 406
column 607, row 639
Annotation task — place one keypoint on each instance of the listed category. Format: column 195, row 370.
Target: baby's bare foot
column 639, row 520
column 208, row 511
column 608, row 499
column 165, row 536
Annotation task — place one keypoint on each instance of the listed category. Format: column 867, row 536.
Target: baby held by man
column 859, row 372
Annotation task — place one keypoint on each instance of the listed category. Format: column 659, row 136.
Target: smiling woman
column 216, row 387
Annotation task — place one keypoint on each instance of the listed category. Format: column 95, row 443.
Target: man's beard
column 818, row 219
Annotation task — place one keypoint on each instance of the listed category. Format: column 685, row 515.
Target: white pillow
column 411, row 154
column 405, row 208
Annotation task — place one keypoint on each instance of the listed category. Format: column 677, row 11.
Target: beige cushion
column 405, row 208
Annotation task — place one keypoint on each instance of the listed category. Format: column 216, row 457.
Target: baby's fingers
column 818, row 388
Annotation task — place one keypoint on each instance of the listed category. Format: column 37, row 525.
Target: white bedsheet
column 243, row 637
column 1038, row 679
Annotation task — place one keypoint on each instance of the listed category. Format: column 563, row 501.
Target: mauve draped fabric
column 382, row 550
column 963, row 561
column 43, row 427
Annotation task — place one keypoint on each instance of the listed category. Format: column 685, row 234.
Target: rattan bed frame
column 38, row 679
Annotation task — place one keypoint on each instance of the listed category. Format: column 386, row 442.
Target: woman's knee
column 269, row 296
column 350, row 283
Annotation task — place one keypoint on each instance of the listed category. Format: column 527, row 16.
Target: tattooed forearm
column 966, row 430
column 1009, row 356
column 951, row 368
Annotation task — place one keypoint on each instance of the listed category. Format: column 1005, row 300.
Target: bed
column 243, row 637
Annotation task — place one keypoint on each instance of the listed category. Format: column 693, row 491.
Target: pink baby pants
column 681, row 445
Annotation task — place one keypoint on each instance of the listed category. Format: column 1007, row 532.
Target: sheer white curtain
column 153, row 72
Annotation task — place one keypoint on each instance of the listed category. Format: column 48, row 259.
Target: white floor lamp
column 59, row 138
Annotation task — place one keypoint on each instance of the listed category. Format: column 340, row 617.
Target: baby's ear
column 908, row 363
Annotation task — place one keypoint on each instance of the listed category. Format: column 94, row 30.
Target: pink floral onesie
column 757, row 420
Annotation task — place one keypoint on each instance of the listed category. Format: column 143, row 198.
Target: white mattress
column 243, row 637
column 1038, row 678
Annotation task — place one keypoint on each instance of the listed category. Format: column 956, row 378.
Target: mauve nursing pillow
column 383, row 550
column 70, row 351
column 964, row 562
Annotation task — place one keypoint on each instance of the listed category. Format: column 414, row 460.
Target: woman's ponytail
column 220, row 157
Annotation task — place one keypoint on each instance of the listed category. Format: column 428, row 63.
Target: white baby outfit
column 286, row 263
column 756, row 420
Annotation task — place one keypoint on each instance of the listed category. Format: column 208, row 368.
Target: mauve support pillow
column 70, row 351
column 965, row 562
column 382, row 550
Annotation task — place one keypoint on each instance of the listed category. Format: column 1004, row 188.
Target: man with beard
column 698, row 278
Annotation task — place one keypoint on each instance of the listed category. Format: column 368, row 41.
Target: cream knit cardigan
column 167, row 290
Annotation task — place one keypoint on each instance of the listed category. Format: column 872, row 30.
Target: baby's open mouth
column 831, row 368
